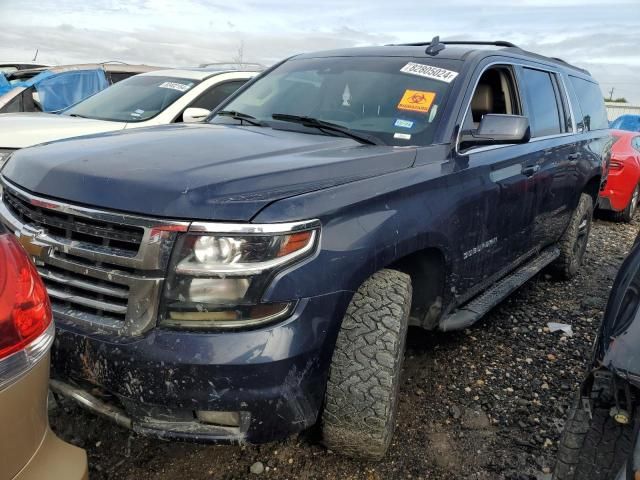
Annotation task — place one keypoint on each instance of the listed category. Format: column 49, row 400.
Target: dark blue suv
column 244, row 278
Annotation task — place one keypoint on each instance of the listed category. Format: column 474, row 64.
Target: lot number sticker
column 181, row 87
column 429, row 71
column 416, row 101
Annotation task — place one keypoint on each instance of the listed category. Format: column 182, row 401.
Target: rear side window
column 635, row 143
column 544, row 113
column 216, row 94
column 594, row 114
column 119, row 76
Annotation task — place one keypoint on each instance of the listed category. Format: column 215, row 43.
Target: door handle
column 530, row 170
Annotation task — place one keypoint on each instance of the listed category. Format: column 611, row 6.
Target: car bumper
column 618, row 190
column 56, row 459
column 272, row 378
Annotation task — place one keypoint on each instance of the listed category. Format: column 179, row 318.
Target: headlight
column 5, row 153
column 216, row 280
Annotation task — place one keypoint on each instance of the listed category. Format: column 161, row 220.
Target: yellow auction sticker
column 416, row 100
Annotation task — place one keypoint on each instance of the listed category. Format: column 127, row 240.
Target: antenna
column 435, row 46
column 35, row 56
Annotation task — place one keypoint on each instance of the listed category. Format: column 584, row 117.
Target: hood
column 19, row 130
column 201, row 171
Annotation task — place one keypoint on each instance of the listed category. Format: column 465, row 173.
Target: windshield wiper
column 328, row 126
column 75, row 115
column 242, row 117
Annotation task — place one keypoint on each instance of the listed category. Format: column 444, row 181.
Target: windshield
column 135, row 99
column 630, row 123
column 396, row 99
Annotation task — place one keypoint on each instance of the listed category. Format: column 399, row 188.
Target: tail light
column 26, row 328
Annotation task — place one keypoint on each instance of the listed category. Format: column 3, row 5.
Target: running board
column 471, row 312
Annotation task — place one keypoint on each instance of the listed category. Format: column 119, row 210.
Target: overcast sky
column 602, row 36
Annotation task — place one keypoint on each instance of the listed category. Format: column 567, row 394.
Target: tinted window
column 119, row 76
column 212, row 97
column 398, row 100
column 135, row 99
column 591, row 103
column 543, row 105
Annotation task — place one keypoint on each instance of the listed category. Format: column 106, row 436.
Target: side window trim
column 561, row 102
column 562, row 84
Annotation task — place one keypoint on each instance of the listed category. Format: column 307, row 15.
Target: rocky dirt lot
column 487, row 403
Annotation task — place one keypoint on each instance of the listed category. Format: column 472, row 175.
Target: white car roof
column 192, row 74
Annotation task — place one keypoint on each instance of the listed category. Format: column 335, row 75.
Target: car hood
column 206, row 172
column 19, row 130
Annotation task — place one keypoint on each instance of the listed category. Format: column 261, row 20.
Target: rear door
column 552, row 165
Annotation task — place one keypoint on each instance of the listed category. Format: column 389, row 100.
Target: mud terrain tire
column 574, row 240
column 364, row 378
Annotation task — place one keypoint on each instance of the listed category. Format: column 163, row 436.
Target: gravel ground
column 487, row 403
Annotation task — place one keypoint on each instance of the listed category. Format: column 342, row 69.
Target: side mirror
column 192, row 115
column 497, row 129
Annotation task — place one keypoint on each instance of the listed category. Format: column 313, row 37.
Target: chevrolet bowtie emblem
column 31, row 245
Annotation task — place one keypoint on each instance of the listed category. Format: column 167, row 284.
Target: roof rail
column 497, row 43
column 235, row 64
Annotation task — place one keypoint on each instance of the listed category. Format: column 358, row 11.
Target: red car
column 622, row 191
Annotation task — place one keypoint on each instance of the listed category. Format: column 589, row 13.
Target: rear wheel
column 362, row 390
column 573, row 243
column 592, row 448
column 627, row 214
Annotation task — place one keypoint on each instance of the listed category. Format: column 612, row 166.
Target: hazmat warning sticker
column 181, row 87
column 429, row 71
column 416, row 101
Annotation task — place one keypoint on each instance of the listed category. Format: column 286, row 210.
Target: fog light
column 224, row 419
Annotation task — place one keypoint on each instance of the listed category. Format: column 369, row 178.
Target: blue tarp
column 58, row 91
column 5, row 86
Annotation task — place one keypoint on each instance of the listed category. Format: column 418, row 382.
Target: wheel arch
column 429, row 272
column 592, row 187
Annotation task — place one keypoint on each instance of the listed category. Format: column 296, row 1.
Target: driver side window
column 495, row 93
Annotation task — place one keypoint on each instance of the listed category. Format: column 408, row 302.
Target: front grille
column 124, row 239
column 71, row 290
column 103, row 271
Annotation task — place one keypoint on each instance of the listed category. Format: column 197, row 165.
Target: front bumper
column 274, row 376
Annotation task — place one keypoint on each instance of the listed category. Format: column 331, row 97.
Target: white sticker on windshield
column 429, row 71
column 181, row 87
column 402, row 136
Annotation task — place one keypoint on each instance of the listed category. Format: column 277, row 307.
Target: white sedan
column 153, row 98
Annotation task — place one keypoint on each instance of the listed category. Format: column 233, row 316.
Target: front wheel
column 573, row 243
column 364, row 378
